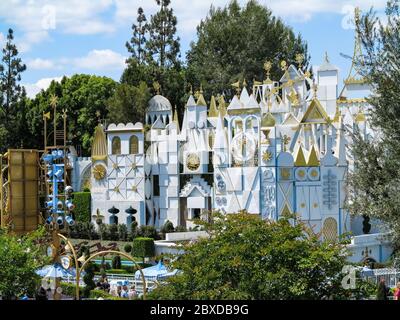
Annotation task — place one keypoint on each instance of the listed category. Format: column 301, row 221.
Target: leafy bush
column 122, row 232
column 88, row 280
column 103, row 231
column 116, row 262
column 113, row 232
column 117, row 271
column 69, row 289
column 180, row 229
column 143, row 247
column 128, row 248
column 167, row 227
column 148, row 232
column 82, row 201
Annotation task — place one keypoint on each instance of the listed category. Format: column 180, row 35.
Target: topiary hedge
column 143, row 248
column 82, row 201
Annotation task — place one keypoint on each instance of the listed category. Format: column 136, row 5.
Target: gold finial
column 357, row 15
column 286, row 139
column 236, row 85
column 267, row 68
column 326, row 57
column 201, row 89
column 53, row 100
column 244, row 83
column 157, row 87
column 283, row 65
column 307, row 74
column 315, row 89
column 299, row 59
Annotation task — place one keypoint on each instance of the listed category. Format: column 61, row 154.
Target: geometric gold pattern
column 329, row 230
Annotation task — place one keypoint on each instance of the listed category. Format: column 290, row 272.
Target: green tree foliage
column 12, row 97
column 84, row 97
column 88, row 279
column 116, row 262
column 136, row 46
column 159, row 61
column 249, row 258
column 82, row 211
column 233, row 44
column 129, row 103
column 20, row 258
column 163, row 45
column 375, row 183
column 167, row 227
column 143, row 247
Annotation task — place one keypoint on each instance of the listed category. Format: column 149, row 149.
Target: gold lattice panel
column 329, row 230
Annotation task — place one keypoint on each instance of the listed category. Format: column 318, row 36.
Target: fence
column 391, row 276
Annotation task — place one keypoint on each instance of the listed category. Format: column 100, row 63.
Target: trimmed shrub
column 180, row 229
column 122, row 232
column 128, row 248
column 113, row 232
column 143, row 248
column 148, row 232
column 69, row 289
column 167, row 227
column 116, row 262
column 82, row 209
column 88, row 280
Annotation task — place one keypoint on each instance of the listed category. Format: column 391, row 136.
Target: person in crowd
column 382, row 291
column 397, row 292
column 119, row 290
column 132, row 293
column 106, row 285
column 124, row 292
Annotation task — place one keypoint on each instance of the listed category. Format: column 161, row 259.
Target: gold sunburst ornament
column 267, row 156
column 99, row 172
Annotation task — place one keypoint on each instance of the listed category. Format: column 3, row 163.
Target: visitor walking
column 397, row 292
column 383, row 290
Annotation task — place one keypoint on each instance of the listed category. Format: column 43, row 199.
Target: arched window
column 116, row 145
column 329, row 229
column 133, row 145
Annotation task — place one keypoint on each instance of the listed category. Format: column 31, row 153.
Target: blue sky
column 65, row 37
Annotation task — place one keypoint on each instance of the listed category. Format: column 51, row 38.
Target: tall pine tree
column 136, row 46
column 163, row 45
column 375, row 183
column 13, row 95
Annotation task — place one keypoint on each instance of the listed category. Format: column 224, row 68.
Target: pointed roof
column 327, row 66
column 213, row 112
column 300, row 159
column 175, row 118
column 244, row 96
column 222, row 106
column 191, row 102
column 268, row 120
column 99, row 145
column 313, row 160
column 315, row 113
column 290, row 120
column 201, row 101
column 220, row 141
column 290, row 74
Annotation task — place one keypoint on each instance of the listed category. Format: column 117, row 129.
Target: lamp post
column 85, row 261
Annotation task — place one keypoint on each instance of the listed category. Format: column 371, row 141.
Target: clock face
column 193, row 162
column 99, row 172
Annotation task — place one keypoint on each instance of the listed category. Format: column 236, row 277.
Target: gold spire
column 157, row 87
column 99, row 145
column 299, row 60
column 354, row 76
column 222, row 106
column 300, row 158
column 313, row 158
column 213, row 112
column 175, row 118
column 337, row 115
column 236, row 85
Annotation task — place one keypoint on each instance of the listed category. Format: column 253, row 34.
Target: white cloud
column 38, row 18
column 40, row 64
column 101, row 60
column 33, row 89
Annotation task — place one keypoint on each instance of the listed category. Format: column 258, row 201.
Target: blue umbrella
column 54, row 271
